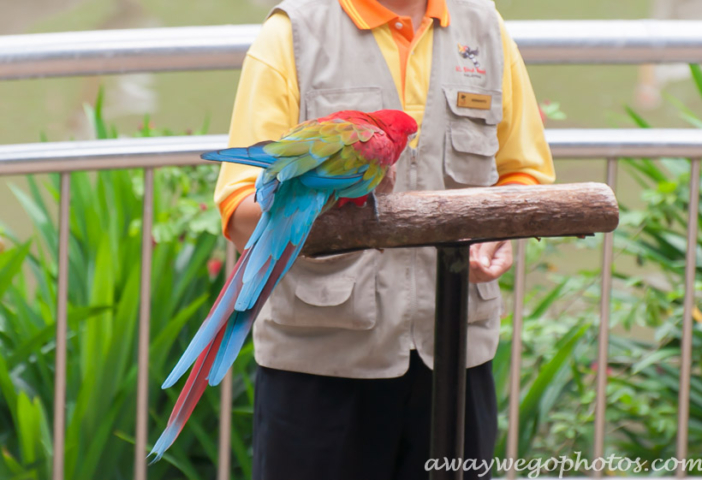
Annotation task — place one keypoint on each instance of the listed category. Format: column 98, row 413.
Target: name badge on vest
column 474, row 100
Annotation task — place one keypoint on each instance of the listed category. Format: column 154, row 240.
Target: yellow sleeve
column 524, row 156
column 267, row 105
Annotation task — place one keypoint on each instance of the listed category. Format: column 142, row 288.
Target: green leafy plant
column 560, row 332
column 104, row 264
column 650, row 370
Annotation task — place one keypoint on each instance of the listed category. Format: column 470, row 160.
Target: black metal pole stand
column 450, row 336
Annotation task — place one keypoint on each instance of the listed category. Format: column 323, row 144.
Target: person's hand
column 243, row 222
column 387, row 184
column 488, row 261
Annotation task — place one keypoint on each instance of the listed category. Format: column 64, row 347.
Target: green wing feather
column 312, row 143
column 339, row 165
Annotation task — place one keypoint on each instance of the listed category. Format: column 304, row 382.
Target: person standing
column 345, row 343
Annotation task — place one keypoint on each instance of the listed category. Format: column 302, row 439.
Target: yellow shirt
column 267, row 102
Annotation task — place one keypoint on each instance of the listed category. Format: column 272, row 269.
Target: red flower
column 214, row 266
column 203, row 207
column 593, row 367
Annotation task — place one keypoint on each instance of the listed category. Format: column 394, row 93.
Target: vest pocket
column 337, row 291
column 469, row 154
column 471, row 141
column 484, row 301
column 470, row 101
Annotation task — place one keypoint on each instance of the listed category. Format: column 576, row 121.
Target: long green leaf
column 10, row 265
column 242, row 457
column 638, row 119
column 40, row 219
column 13, row 465
column 547, row 301
column 28, row 428
column 529, row 407
column 122, row 339
column 8, row 390
column 166, row 337
column 697, row 76
column 42, row 337
column 98, row 441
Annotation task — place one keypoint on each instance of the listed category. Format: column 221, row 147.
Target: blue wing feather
column 254, row 156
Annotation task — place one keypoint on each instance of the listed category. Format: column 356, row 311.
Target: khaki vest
column 359, row 314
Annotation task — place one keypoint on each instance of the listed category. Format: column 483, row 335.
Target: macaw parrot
column 343, row 156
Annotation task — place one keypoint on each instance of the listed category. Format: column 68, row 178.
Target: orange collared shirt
column 370, row 15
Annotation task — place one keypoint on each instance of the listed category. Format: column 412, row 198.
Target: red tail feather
column 195, row 386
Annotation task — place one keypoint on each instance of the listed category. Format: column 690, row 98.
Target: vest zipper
column 414, row 153
column 413, row 167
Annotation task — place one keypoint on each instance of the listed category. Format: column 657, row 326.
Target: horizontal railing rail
column 224, row 47
column 107, row 154
column 185, row 150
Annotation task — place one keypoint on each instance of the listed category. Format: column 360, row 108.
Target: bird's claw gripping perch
column 373, row 201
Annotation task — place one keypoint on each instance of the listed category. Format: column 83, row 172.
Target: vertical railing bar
column 603, row 336
column 144, row 321
column 448, row 402
column 61, row 329
column 516, row 357
column 688, row 305
column 225, row 417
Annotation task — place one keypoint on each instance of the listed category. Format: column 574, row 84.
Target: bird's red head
column 397, row 125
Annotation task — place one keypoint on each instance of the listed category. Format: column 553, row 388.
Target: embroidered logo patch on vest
column 466, row 52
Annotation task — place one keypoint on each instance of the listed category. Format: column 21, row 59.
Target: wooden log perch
column 428, row 218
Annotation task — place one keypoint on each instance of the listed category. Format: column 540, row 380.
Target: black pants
column 309, row 427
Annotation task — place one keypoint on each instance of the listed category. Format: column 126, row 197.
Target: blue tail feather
column 209, row 328
column 265, row 192
column 240, row 323
column 238, row 329
column 253, row 156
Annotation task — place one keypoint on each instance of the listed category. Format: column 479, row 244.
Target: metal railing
column 224, row 47
column 185, row 150
column 200, row 48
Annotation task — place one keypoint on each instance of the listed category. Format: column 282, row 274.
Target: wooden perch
column 430, row 218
